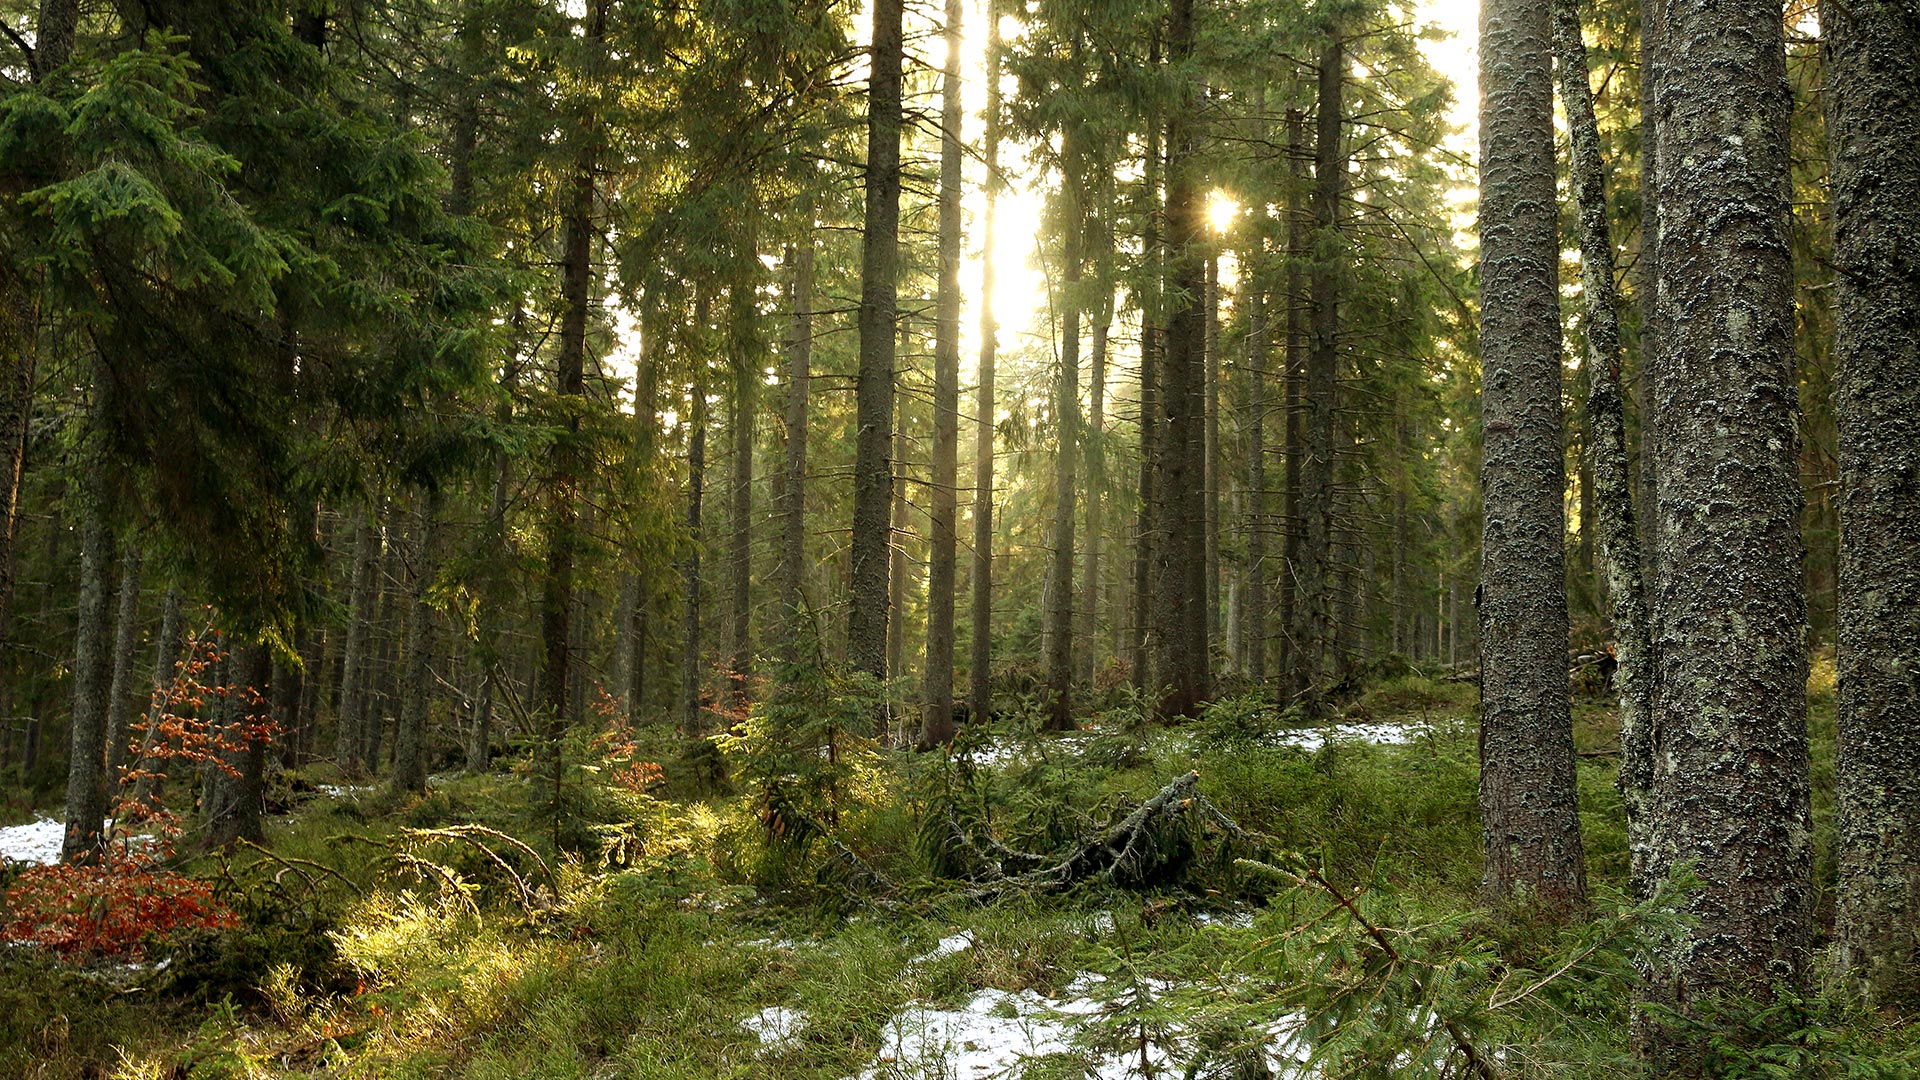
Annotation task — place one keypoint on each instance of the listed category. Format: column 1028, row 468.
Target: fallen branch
column 1130, row 853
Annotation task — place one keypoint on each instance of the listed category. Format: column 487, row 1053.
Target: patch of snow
column 776, row 1026
column 1385, row 734
column 37, row 842
column 1238, row 918
column 951, row 944
column 996, row 1032
column 344, row 791
column 769, row 943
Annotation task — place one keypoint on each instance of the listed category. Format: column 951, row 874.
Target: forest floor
column 743, row 935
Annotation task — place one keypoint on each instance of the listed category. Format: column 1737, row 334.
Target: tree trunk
column 1613, row 510
column 936, row 686
column 1146, row 541
column 793, row 494
column 410, row 740
column 980, row 669
column 1313, row 632
column 1211, row 466
column 126, row 637
column 87, row 759
column 1058, row 631
column 1253, row 607
column 740, row 497
column 1529, row 811
column 239, row 791
column 356, row 664
column 1180, row 610
column 897, row 529
column 1729, row 711
column 1294, row 677
column 873, row 392
column 693, row 723
column 1873, row 127
column 562, row 526
column 1096, row 453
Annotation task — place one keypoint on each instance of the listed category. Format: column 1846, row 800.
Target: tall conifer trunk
column 792, row 510
column 1612, row 487
column 740, row 497
column 1729, row 710
column 126, row 635
column 86, row 761
column 410, row 736
column 873, row 390
column 1873, row 130
column 980, row 675
column 936, row 688
column 1146, row 540
column 1058, row 631
column 1529, row 815
column 1313, row 631
column 1180, row 611
column 1292, row 680
column 693, row 724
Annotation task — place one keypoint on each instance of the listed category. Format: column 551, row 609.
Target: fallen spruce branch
column 1132, row 852
column 1477, row 1064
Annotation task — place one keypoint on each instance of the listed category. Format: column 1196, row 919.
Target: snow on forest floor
column 35, row 842
column 996, row 1034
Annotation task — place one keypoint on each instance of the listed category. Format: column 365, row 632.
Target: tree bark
column 1146, row 541
column 356, row 664
column 1088, row 613
column 1294, row 679
column 980, row 666
column 87, row 757
column 1873, row 130
column 1058, row 630
column 792, row 573
column 1729, row 711
column 693, row 724
column 410, row 740
column 126, row 637
column 1180, row 612
column 873, row 391
column 1529, row 811
column 1313, row 633
column 562, row 525
column 740, row 498
column 936, row 686
column 1253, row 607
column 234, row 812
column 1612, row 486
column 1211, row 467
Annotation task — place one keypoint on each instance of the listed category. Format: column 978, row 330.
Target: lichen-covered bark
column 1612, row 486
column 1873, row 133
column 1529, row 812
column 1729, row 606
column 873, row 388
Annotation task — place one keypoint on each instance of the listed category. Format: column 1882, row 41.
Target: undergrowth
column 461, row 934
